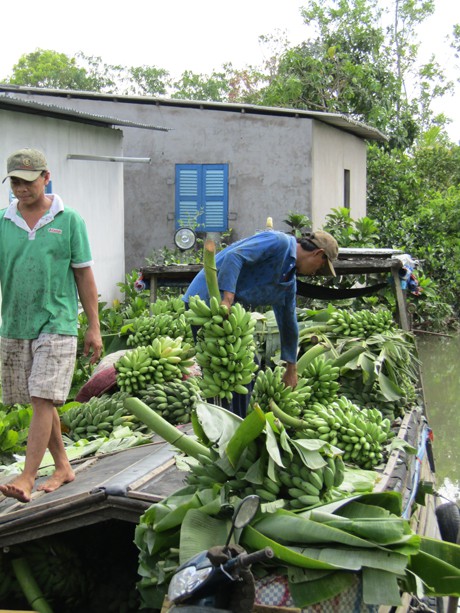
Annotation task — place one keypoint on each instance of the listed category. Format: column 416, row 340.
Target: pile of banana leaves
column 321, row 550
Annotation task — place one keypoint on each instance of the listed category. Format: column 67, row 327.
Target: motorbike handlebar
column 246, row 559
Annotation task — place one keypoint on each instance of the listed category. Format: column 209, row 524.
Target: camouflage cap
column 27, row 164
column 325, row 241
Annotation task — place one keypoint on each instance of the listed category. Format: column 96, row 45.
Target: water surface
column 440, row 356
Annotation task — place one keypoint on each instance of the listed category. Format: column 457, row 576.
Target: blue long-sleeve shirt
column 260, row 271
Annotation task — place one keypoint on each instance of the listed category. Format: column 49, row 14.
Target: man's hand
column 93, row 340
column 290, row 375
column 228, row 299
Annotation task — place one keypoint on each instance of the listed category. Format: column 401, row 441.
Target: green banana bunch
column 172, row 306
column 145, row 329
column 225, row 347
column 208, row 472
column 9, row 586
column 98, row 417
column 321, row 376
column 362, row 323
column 303, row 487
column 269, row 385
column 173, row 400
column 205, row 471
column 370, row 395
column 294, row 483
column 58, row 570
column 165, row 359
column 359, row 433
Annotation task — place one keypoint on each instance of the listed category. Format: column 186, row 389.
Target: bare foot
column 58, row 478
column 19, row 489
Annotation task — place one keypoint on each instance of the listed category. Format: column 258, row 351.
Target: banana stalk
column 309, row 356
column 29, row 586
column 164, row 429
column 287, row 420
column 348, row 356
column 210, row 269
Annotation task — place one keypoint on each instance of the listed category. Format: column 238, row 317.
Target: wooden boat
column 120, row 487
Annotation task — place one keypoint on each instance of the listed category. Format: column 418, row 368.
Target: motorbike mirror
column 246, row 510
column 244, row 513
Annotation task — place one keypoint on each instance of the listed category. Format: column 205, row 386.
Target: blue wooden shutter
column 202, row 197
column 215, row 193
column 188, row 194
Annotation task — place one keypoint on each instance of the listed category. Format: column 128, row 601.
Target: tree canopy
column 359, row 58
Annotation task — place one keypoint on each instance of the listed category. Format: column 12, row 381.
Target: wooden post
column 400, row 299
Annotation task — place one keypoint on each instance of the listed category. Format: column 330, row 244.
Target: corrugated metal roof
column 338, row 120
column 9, row 102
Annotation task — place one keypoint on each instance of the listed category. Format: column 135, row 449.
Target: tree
column 193, row 86
column 352, row 64
column 415, row 199
column 147, row 81
column 51, row 69
column 46, row 68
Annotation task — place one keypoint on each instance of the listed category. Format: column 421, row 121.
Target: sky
column 178, row 35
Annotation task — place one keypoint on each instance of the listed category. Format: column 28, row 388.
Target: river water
column 440, row 356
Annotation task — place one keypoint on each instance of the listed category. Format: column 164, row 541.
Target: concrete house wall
column 95, row 190
column 332, row 155
column 279, row 160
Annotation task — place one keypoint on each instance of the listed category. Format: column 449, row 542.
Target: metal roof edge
column 338, row 120
column 7, row 101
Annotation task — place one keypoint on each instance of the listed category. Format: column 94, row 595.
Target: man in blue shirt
column 261, row 271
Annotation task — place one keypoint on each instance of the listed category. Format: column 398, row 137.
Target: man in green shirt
column 45, row 266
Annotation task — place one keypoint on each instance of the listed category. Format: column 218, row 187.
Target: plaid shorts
column 42, row 367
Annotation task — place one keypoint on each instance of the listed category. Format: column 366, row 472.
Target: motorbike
column 219, row 580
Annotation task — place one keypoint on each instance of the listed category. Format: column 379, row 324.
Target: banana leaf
column 160, row 509
column 256, row 473
column 218, row 424
column 303, row 575
column 152, row 542
column 351, row 558
column 367, row 363
column 287, row 527
column 271, row 443
column 438, row 566
column 309, row 451
column 380, row 587
column 198, row 430
column 385, row 530
column 200, row 532
column 325, row 588
column 204, row 499
column 357, row 510
column 358, row 480
column 247, row 431
column 391, row 501
column 254, row 540
column 389, row 388
column 449, row 552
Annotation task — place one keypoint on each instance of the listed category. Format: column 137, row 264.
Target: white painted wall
column 332, row 153
column 94, row 189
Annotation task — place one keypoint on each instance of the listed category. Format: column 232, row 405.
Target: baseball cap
column 27, row 164
column 324, row 240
